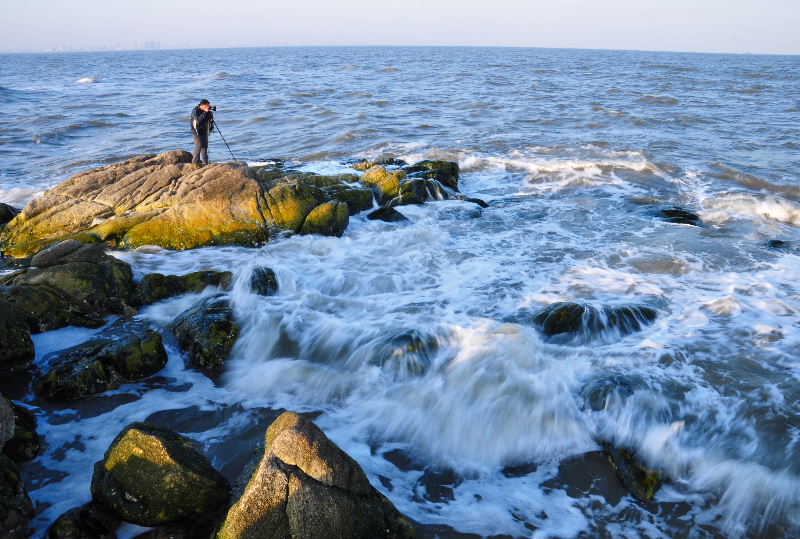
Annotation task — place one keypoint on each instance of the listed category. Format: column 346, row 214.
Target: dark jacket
column 202, row 122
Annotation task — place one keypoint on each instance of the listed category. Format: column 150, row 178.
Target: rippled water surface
column 486, row 430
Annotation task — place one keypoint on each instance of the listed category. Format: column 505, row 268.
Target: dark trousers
column 200, row 154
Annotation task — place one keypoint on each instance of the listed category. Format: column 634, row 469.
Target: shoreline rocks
column 207, row 332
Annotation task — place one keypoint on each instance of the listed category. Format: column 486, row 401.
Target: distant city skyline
column 717, row 26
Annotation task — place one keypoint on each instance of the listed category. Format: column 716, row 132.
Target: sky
column 733, row 26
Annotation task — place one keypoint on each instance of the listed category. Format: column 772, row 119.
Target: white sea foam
column 722, row 208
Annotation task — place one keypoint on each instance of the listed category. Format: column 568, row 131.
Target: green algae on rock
column 17, row 351
column 16, row 508
column 306, row 487
column 641, row 482
column 155, row 286
column 89, row 521
column 24, row 444
column 152, row 476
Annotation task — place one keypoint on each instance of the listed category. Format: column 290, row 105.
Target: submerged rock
column 407, row 354
column 777, row 244
column 306, row 487
column 16, row 508
column 152, row 476
column 207, row 331
column 388, row 214
column 24, row 444
column 641, row 482
column 103, row 363
column 264, row 282
column 606, row 390
column 88, row 521
column 156, row 286
column 566, row 322
column 680, row 216
column 16, row 352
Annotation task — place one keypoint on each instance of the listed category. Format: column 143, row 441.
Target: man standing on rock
column 202, row 124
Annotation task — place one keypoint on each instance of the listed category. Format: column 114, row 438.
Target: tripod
column 223, row 139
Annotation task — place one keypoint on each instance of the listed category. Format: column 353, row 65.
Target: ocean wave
column 726, row 207
column 657, row 100
column 725, row 172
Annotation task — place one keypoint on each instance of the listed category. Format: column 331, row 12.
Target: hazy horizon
column 710, row 26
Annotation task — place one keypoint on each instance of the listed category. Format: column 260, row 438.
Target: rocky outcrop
column 24, row 444
column 264, row 282
column 84, row 275
column 88, row 521
column 164, row 200
column 207, row 332
column 641, row 482
column 304, row 486
column 126, row 353
column 152, row 477
column 156, row 286
column 43, row 309
column 16, row 352
column 16, row 508
column 679, row 216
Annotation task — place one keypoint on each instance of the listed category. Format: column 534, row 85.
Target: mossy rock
column 641, row 482
column 24, row 444
column 419, row 191
column 70, row 250
column 152, row 476
column 88, row 521
column 328, row 219
column 364, row 164
column 357, row 200
column 16, row 352
column 207, row 331
column 385, row 185
column 102, row 364
column 304, row 486
column 45, row 310
column 263, row 281
column 290, row 203
column 16, row 508
column 445, row 172
column 156, row 286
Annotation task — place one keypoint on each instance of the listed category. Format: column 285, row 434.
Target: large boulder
column 89, row 521
column 207, row 331
column 16, row 352
column 127, row 353
column 16, row 508
column 385, row 184
column 444, row 172
column 419, row 191
column 152, row 476
column 642, row 482
column 328, row 219
column 44, row 310
column 24, row 444
column 84, row 275
column 156, row 286
column 305, row 486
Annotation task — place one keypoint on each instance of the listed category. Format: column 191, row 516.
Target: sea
column 576, row 152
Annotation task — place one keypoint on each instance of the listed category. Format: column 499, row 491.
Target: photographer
column 202, row 124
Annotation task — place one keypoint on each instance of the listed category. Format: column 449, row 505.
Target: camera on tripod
column 213, row 107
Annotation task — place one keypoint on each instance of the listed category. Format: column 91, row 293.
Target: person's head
column 205, row 105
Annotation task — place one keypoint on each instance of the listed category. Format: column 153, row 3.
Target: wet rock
column 641, row 482
column 88, row 521
column 45, row 310
column 388, row 214
column 7, row 423
column 7, row 213
column 16, row 352
column 128, row 354
column 328, row 219
column 16, row 508
column 156, row 286
column 385, row 184
column 152, row 477
column 407, row 354
column 680, row 216
column 24, row 444
column 478, row 201
column 89, row 279
column 207, row 331
column 777, row 244
column 573, row 322
column 444, row 172
column 608, row 389
column 364, row 164
column 306, row 487
column 264, row 282
column 357, row 200
column 290, row 203
column 419, row 191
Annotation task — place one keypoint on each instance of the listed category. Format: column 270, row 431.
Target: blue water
column 574, row 150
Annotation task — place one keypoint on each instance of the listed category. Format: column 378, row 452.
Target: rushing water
column 488, row 430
